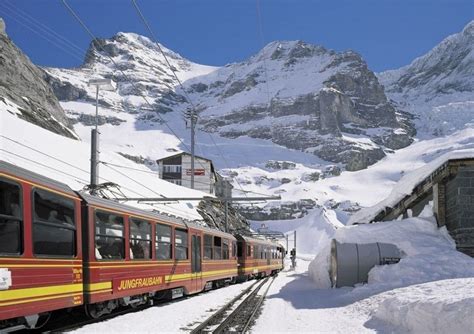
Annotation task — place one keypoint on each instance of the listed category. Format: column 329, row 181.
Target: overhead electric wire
column 132, row 179
column 42, row 26
column 145, row 22
column 38, row 30
column 45, row 154
column 78, row 179
column 86, row 182
column 84, row 26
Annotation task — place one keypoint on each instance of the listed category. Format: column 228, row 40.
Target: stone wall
column 460, row 209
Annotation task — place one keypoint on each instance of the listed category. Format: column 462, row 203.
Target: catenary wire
column 145, row 22
column 84, row 26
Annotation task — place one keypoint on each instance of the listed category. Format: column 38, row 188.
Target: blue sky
column 388, row 33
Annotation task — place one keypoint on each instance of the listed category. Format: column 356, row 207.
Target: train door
column 196, row 265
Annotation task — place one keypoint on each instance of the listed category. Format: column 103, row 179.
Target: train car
column 40, row 248
column 60, row 249
column 258, row 258
column 132, row 256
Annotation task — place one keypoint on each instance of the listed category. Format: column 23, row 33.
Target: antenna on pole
column 106, row 84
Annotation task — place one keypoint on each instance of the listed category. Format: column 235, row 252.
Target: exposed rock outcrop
column 22, row 83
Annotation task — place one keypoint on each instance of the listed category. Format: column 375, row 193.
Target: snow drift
column 430, row 253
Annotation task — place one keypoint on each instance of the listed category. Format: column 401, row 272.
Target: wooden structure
column 451, row 188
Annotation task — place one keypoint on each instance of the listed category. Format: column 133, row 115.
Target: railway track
column 238, row 314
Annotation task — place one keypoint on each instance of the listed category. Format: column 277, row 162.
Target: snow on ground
column 445, row 306
column 178, row 316
column 295, row 305
column 430, row 253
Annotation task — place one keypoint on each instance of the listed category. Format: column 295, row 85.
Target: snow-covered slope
column 290, row 95
column 67, row 160
column 438, row 87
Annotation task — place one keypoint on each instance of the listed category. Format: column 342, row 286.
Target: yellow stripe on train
column 39, row 292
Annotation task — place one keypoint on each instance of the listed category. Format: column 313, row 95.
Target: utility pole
column 193, row 125
column 107, row 84
column 226, row 203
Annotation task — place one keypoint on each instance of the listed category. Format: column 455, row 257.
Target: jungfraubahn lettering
column 136, row 283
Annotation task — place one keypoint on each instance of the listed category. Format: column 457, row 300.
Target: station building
column 177, row 169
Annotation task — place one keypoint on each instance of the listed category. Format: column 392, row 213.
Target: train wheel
column 95, row 311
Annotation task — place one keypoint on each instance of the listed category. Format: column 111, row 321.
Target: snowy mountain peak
column 438, row 87
column 278, row 50
column 124, row 44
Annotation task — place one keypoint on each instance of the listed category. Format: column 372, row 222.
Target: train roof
column 113, row 205
column 46, row 182
column 259, row 241
column 43, row 181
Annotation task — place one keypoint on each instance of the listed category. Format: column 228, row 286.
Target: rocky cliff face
column 307, row 98
column 293, row 94
column 22, row 84
column 438, row 87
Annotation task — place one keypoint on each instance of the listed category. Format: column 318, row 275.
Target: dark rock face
column 64, row 91
column 90, row 120
column 282, row 212
column 347, row 119
column 22, row 83
column 213, row 213
column 280, row 165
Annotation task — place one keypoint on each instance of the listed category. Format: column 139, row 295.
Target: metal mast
column 106, row 84
column 193, row 134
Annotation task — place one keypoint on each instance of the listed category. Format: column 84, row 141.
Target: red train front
column 40, row 247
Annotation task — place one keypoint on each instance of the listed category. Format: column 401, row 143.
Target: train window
column 109, row 236
column 256, row 251
column 217, row 248
column 11, row 222
column 249, row 250
column 54, row 229
column 225, row 249
column 140, row 239
column 163, row 242
column 181, row 244
column 207, row 247
column 234, row 249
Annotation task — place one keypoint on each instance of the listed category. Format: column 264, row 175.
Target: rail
column 232, row 315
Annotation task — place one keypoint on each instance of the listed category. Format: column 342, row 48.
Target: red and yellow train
column 62, row 249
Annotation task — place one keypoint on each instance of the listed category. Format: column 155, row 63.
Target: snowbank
column 407, row 184
column 445, row 306
column 430, row 253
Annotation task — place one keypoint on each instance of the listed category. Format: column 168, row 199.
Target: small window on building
column 163, row 242
column 217, row 248
column 140, row 239
column 225, row 249
column 207, row 247
column 11, row 221
column 54, row 229
column 109, row 236
column 181, row 244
